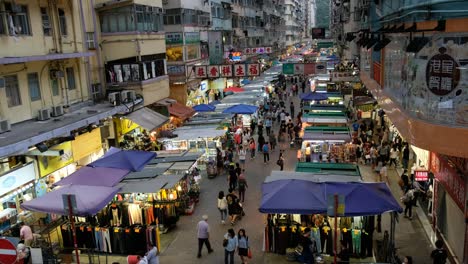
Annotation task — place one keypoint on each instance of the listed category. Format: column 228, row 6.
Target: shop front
column 449, row 196
column 17, row 186
column 201, row 95
column 327, row 144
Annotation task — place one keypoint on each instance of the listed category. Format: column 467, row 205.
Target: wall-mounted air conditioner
column 114, row 98
column 55, row 74
column 43, row 114
column 5, row 126
column 128, row 96
column 57, row 111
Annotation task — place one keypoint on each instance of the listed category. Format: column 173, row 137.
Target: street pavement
column 181, row 246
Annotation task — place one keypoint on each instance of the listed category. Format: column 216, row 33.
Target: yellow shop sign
column 49, row 164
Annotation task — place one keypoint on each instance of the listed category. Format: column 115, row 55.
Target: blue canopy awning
column 132, row 160
column 241, row 109
column 294, row 196
column 313, row 96
column 204, row 108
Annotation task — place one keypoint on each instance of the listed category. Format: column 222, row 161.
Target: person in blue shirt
column 152, row 255
column 243, row 245
column 230, row 245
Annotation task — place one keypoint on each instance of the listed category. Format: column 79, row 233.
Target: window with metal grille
column 62, row 22
column 46, row 27
column 17, row 19
column 90, row 40
column 34, row 86
column 12, row 90
column 71, row 78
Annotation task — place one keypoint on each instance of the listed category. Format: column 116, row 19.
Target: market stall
column 329, row 168
column 330, row 143
column 314, row 175
column 196, row 139
column 324, row 119
column 292, row 205
column 324, row 108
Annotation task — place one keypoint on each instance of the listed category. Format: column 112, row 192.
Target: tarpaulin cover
column 311, row 96
column 133, row 160
column 307, row 197
column 204, row 108
column 98, row 176
column 234, row 89
column 241, row 109
column 89, row 200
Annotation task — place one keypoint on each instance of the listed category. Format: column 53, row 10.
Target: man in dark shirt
column 439, row 255
column 306, row 244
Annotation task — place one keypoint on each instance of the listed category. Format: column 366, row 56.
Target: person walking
column 405, row 156
column 308, row 152
column 243, row 245
column 272, row 140
column 242, row 154
column 203, row 234
column 280, row 161
column 232, row 178
column 291, row 108
column 261, row 142
column 393, row 156
column 152, row 255
column 266, row 152
column 383, row 173
column 230, row 246
column 252, row 148
column 407, row 200
column 242, row 185
column 268, row 124
column 26, row 234
column 222, row 206
column 439, row 254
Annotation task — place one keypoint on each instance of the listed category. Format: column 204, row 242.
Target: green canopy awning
column 330, row 168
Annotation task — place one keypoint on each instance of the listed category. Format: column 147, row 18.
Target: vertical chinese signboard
column 453, row 183
column 200, row 72
column 215, row 47
column 225, row 70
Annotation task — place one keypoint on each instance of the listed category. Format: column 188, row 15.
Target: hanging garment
column 315, row 236
column 134, row 212
column 115, row 213
column 106, row 241
column 356, row 235
column 347, row 238
column 98, row 239
column 118, row 238
column 326, row 239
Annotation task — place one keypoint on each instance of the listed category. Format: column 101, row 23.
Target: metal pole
column 70, row 213
column 336, row 228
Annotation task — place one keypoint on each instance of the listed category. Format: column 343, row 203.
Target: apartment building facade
column 413, row 60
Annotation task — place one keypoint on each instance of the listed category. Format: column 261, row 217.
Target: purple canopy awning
column 291, row 196
column 89, row 200
column 133, row 160
column 98, row 176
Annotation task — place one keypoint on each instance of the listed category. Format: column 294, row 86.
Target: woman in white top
column 242, row 153
column 393, row 156
column 222, row 206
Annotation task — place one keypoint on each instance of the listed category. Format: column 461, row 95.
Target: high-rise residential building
column 322, row 14
column 413, row 59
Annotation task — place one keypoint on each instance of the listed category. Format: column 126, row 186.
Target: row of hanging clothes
column 285, row 231
column 135, row 239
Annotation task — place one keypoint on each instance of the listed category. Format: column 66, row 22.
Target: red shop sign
column 420, row 175
column 449, row 178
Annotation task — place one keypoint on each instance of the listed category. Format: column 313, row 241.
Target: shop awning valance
column 98, row 176
column 306, row 197
column 312, row 96
column 328, row 168
column 327, row 136
column 181, row 111
column 147, row 118
column 133, row 160
column 89, row 200
column 195, row 132
column 153, row 185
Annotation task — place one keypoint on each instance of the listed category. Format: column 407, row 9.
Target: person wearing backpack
column 242, row 185
column 266, row 152
column 407, row 200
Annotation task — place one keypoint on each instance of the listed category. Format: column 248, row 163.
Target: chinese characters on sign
column 442, row 73
column 236, row 70
column 449, row 178
column 421, row 175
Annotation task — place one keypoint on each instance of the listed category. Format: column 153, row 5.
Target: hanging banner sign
column 226, row 71
column 200, row 72
column 258, row 50
column 343, row 76
column 299, row 68
column 213, row 71
column 421, row 175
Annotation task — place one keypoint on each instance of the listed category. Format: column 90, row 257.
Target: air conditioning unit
column 128, row 96
column 114, row 98
column 4, row 126
column 57, row 110
column 43, row 114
